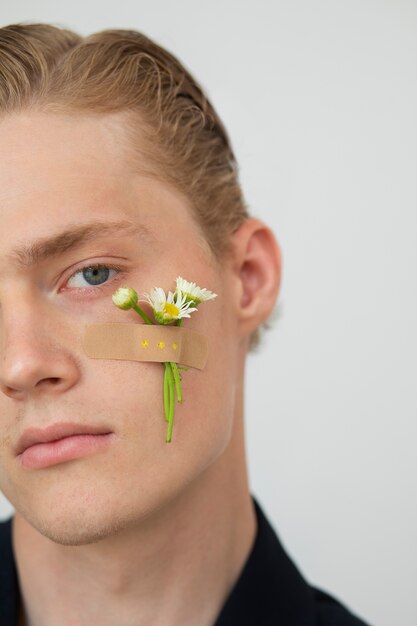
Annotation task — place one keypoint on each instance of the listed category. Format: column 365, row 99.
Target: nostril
column 52, row 381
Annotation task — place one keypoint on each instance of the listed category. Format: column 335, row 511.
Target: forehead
column 50, row 145
column 60, row 170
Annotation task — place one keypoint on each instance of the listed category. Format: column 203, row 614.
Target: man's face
column 58, row 172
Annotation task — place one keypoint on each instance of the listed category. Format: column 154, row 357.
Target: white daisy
column 125, row 298
column 168, row 308
column 193, row 292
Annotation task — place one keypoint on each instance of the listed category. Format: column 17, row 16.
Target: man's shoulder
column 5, row 541
column 9, row 590
column 271, row 590
column 331, row 612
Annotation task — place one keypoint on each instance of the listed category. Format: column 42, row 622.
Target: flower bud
column 125, row 298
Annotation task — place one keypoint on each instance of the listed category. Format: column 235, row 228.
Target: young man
column 116, row 171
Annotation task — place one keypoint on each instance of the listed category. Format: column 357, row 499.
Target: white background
column 320, row 99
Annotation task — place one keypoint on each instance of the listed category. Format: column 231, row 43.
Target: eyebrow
column 27, row 255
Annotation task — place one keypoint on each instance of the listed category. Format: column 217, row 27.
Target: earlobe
column 258, row 267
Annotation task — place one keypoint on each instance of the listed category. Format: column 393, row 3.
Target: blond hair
column 54, row 69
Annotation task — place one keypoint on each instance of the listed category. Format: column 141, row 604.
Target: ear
column 257, row 267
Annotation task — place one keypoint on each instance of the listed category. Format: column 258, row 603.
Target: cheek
column 207, row 414
column 133, row 404
column 132, row 397
column 125, row 395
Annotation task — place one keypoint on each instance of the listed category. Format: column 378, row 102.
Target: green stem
column 166, row 392
column 177, row 381
column 171, row 406
column 143, row 315
column 179, row 322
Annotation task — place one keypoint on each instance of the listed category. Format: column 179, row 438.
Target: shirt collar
column 270, row 590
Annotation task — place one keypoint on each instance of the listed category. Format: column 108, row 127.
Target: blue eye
column 94, row 275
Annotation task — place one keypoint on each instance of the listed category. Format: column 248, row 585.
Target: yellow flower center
column 171, row 309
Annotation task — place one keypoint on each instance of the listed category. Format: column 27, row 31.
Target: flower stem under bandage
column 167, row 309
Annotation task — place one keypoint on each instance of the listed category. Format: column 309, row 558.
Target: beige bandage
column 143, row 342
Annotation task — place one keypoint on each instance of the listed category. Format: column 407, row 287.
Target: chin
column 72, row 526
column 72, row 518
column 70, row 534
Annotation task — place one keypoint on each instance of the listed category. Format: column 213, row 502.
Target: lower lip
column 44, row 454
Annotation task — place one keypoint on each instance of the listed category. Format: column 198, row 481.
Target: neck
column 176, row 567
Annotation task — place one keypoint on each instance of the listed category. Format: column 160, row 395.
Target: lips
column 54, row 432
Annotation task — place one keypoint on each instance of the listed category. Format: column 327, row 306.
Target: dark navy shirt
column 270, row 590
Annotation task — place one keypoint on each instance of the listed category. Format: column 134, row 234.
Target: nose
column 33, row 359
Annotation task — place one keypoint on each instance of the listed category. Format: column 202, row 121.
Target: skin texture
column 142, row 532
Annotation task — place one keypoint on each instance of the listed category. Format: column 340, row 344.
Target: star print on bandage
column 142, row 342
